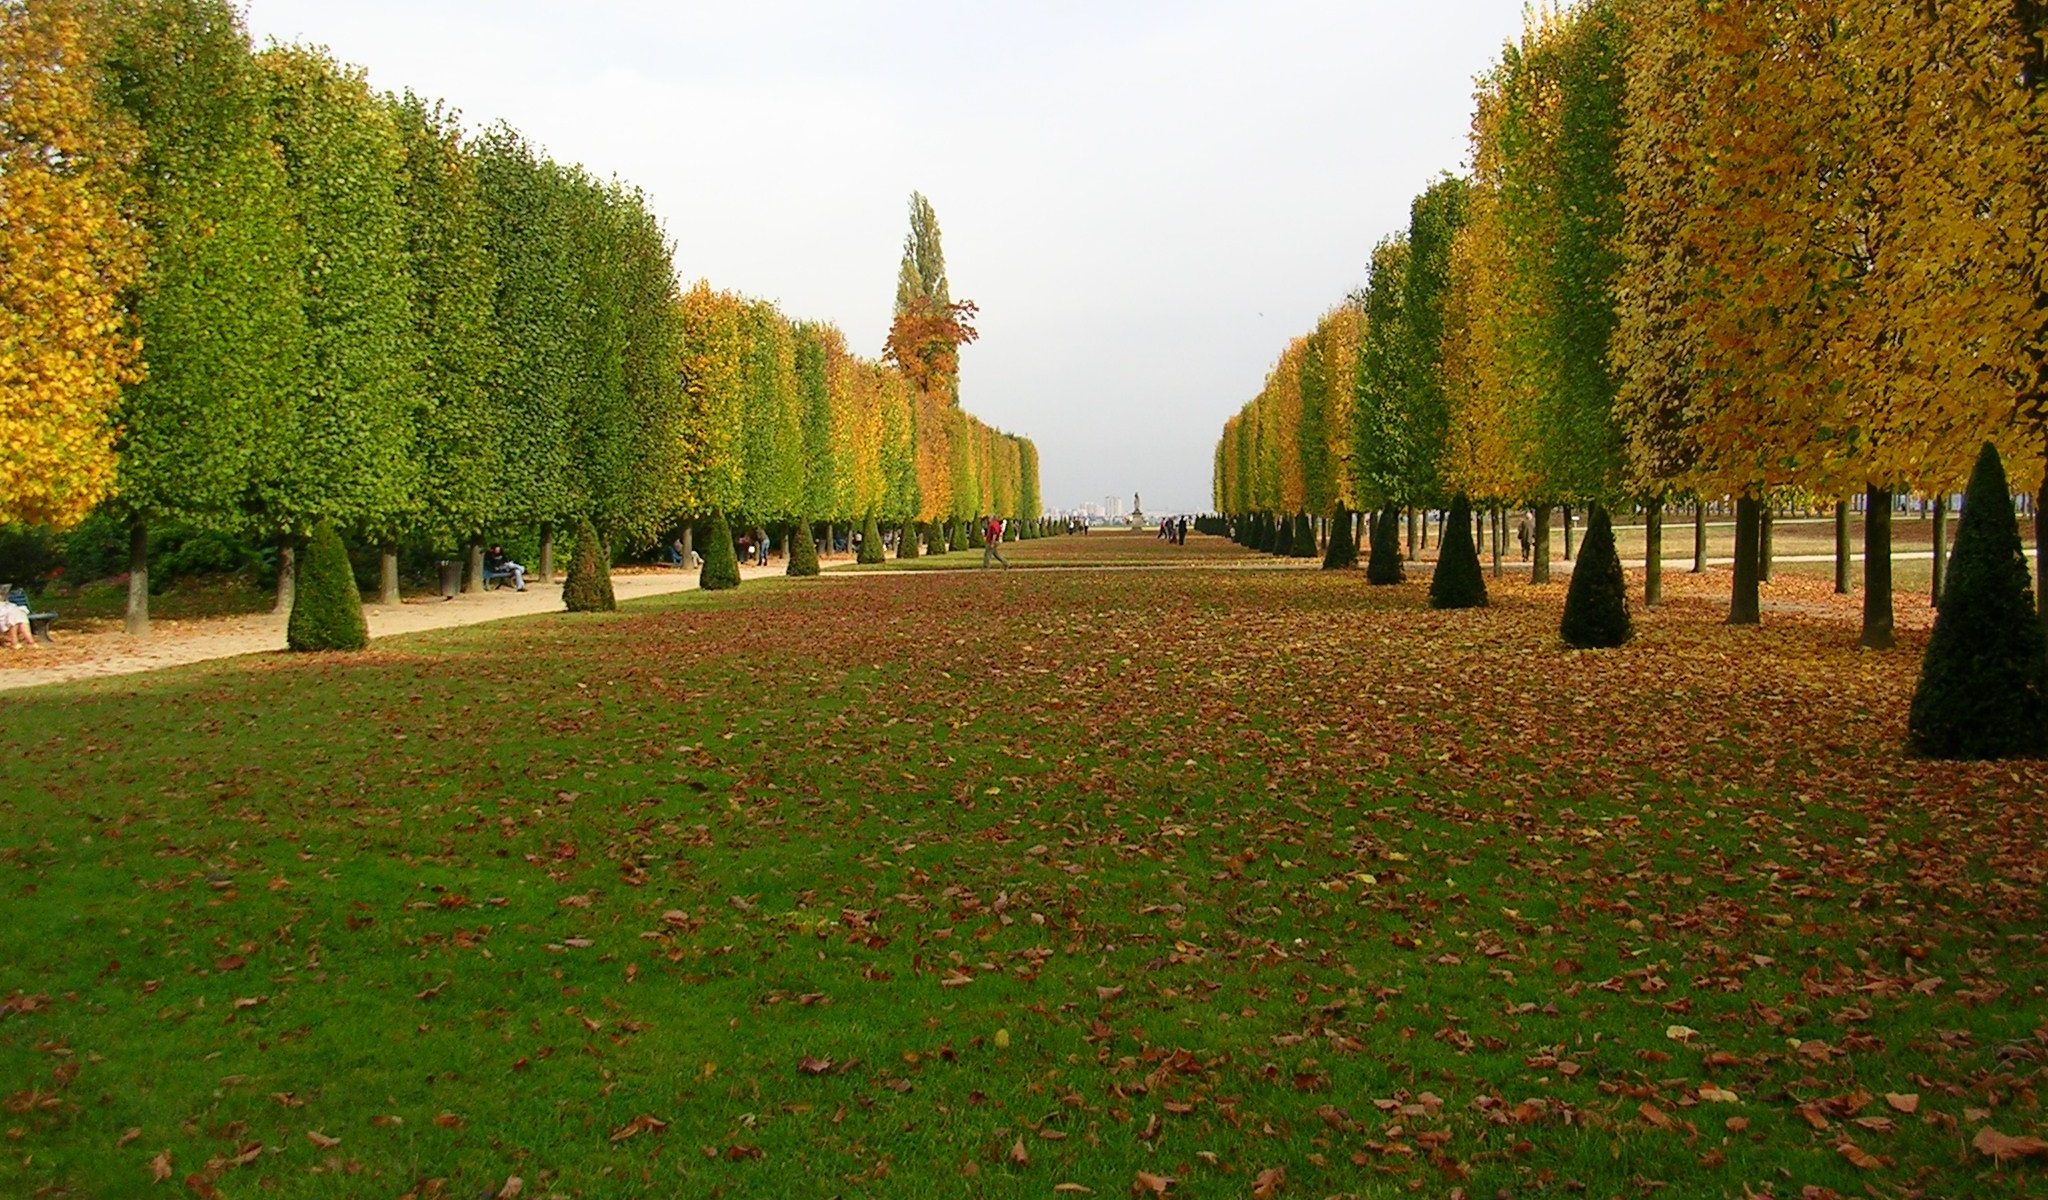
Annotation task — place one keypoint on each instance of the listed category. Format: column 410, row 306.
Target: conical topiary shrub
column 589, row 586
column 937, row 544
column 975, row 539
column 1304, row 536
column 721, row 565
column 803, row 549
column 1342, row 552
column 871, row 542
column 327, row 607
column 1383, row 565
column 1596, row 603
column 1984, row 684
column 1458, row 581
column 907, row 540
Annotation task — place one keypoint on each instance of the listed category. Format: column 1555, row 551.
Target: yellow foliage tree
column 68, row 255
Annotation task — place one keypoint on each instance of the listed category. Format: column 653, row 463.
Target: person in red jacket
column 991, row 539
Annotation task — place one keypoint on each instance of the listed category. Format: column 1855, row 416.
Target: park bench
column 495, row 579
column 38, row 622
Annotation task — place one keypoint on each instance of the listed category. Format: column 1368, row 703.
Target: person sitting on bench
column 495, row 563
column 14, row 627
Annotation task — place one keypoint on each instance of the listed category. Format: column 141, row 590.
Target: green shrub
column 327, row 610
column 1596, row 603
column 1457, row 581
column 906, row 540
column 976, row 540
column 721, row 565
column 1383, row 565
column 803, row 549
column 589, row 586
column 1983, row 689
column 936, row 532
column 1342, row 552
column 871, row 542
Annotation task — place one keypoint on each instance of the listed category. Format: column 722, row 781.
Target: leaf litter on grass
column 1237, row 880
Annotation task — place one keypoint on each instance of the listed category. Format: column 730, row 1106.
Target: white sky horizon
column 1146, row 200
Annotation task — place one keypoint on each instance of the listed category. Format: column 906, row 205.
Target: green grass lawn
column 984, row 883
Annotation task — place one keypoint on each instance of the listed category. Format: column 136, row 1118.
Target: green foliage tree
column 589, row 586
column 1596, row 603
column 1341, row 554
column 219, row 312
column 349, row 454
column 721, row 568
column 1983, row 689
column 803, row 549
column 459, row 437
column 327, row 609
column 529, row 233
column 1383, row 564
column 1457, row 581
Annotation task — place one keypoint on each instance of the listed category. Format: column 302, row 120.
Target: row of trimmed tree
column 1778, row 253
column 1765, row 252
column 245, row 291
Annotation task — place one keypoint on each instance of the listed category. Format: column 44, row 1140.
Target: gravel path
column 104, row 649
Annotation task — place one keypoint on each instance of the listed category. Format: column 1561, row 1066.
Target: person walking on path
column 1525, row 532
column 992, row 537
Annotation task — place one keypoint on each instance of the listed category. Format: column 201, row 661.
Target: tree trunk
column 1539, row 559
column 473, row 568
column 1500, row 521
column 1744, row 606
column 1567, row 533
column 1425, row 529
column 1841, row 547
column 1653, row 554
column 287, row 574
column 1940, row 549
column 387, row 577
column 1877, row 569
column 547, row 551
column 1412, row 532
column 1765, row 521
column 1699, row 537
column 689, row 544
column 138, row 578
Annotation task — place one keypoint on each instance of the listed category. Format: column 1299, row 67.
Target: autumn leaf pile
column 1190, row 881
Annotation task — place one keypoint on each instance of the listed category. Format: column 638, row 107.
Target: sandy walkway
column 103, row 649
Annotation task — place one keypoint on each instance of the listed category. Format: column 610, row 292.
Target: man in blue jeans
column 495, row 561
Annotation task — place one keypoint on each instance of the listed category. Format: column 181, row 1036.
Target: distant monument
column 1137, row 512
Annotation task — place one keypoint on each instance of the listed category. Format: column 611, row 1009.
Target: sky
column 1146, row 200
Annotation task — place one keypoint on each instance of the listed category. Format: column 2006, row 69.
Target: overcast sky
column 1147, row 200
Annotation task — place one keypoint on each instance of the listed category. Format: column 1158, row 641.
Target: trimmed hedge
column 1383, row 565
column 871, row 551
column 1596, row 604
column 327, row 608
column 1983, row 689
column 721, row 565
column 803, row 549
column 589, row 586
column 1457, row 581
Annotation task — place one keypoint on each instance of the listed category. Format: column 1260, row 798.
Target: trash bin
column 451, row 577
